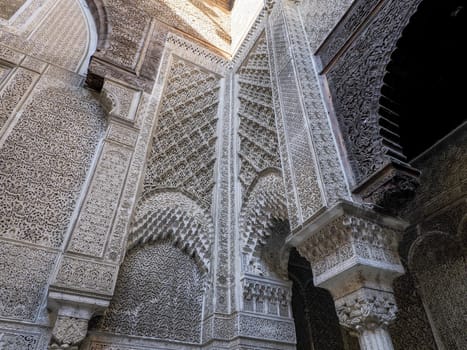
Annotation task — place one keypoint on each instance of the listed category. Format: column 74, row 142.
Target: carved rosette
column 366, row 309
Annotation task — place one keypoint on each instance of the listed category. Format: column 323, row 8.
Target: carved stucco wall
column 326, row 13
column 437, row 256
column 50, row 128
column 159, row 294
column 50, row 31
column 9, row 7
column 183, row 153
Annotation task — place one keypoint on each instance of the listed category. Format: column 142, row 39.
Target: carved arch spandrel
column 355, row 80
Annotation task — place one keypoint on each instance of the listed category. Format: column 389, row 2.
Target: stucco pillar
column 353, row 254
column 85, row 279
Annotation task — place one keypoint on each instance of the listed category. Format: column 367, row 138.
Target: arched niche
column 159, row 295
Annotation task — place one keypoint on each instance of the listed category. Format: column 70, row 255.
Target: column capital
column 350, row 247
column 366, row 309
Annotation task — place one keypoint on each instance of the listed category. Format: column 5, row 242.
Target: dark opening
column 316, row 323
column 424, row 87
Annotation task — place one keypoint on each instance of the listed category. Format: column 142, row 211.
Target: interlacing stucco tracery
column 152, row 190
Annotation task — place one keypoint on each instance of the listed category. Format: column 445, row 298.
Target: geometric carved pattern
column 44, row 162
column 183, row 152
column 13, row 92
column 325, row 12
column 174, row 216
column 159, row 294
column 257, row 130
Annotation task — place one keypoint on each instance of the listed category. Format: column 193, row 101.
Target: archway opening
column 316, row 323
column 423, row 93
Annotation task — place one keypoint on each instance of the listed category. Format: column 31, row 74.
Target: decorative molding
column 119, row 100
column 348, row 239
column 86, row 275
column 266, row 296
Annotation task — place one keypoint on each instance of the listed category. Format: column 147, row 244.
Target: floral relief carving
column 159, row 294
column 43, row 164
column 24, row 279
column 366, row 309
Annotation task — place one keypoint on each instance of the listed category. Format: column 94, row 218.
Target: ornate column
column 88, row 269
column 353, row 254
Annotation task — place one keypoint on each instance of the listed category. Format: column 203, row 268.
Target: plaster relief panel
column 159, row 295
column 23, row 281
column 44, row 162
column 58, row 34
column 257, row 129
column 9, row 7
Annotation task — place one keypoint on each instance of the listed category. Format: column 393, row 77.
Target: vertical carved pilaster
column 87, row 271
column 353, row 254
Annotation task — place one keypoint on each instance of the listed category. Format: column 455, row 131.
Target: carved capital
column 68, row 332
column 73, row 312
column 366, row 309
column 349, row 247
column 390, row 187
column 119, row 100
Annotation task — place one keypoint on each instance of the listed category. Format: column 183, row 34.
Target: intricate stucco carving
column 257, row 129
column 57, row 34
column 347, row 237
column 44, row 161
column 25, row 273
column 99, row 208
column 14, row 91
column 13, row 340
column 184, row 142
column 86, row 275
column 266, row 297
column 68, row 332
column 158, row 295
column 120, row 100
column 355, row 81
column 174, row 216
column 265, row 204
column 326, row 13
column 366, row 309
